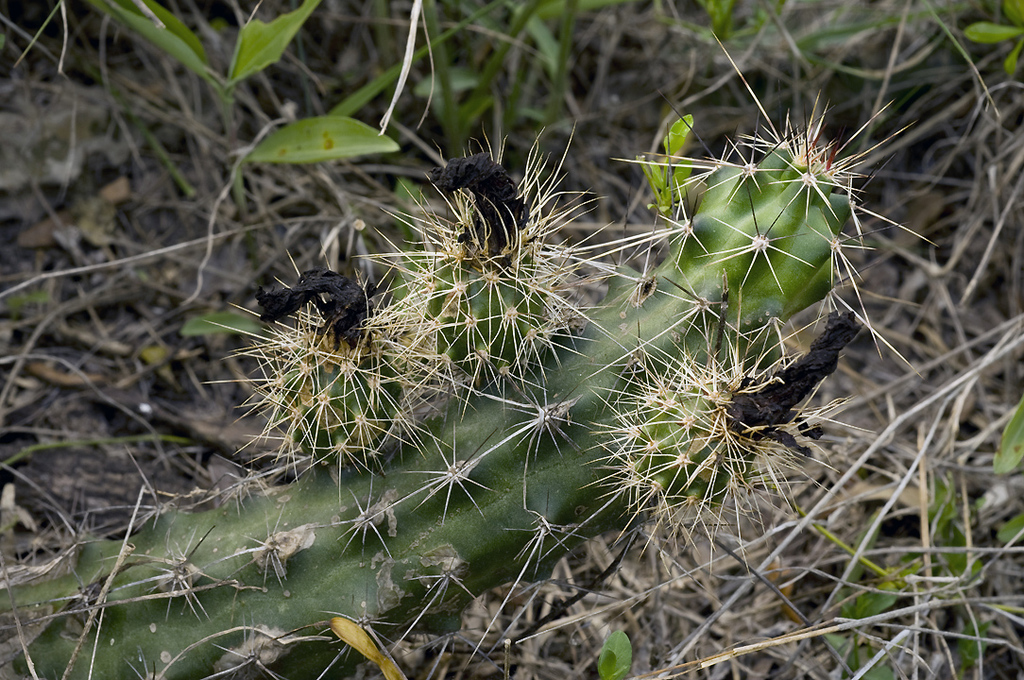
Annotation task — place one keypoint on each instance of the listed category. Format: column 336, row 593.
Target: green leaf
column 1011, row 529
column 1010, row 65
column 1014, row 11
column 547, row 46
column 1011, row 448
column 943, row 509
column 677, row 134
column 867, row 605
column 616, row 657
column 555, row 9
column 970, row 650
column 175, row 38
column 358, row 99
column 839, row 643
column 858, row 655
column 462, row 80
column 222, row 323
column 655, row 175
column 666, row 186
column 987, row 32
column 260, row 45
column 407, row 191
column 878, row 673
column 16, row 303
column 674, row 142
column 720, row 12
column 323, row 138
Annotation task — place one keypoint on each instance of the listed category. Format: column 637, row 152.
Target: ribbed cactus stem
column 572, row 433
column 772, row 231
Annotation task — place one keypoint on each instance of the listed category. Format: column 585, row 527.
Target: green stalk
column 454, row 132
column 559, row 81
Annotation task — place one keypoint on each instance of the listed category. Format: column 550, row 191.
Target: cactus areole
column 470, row 427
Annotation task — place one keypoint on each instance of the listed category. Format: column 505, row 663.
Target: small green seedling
column 720, row 13
column 616, row 657
column 987, row 32
column 1011, row 448
column 948, row 530
column 667, row 181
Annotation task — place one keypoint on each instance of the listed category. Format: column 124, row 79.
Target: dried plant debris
column 758, row 409
column 343, row 303
column 500, row 212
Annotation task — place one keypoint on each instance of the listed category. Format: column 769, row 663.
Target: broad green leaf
column 970, row 650
column 323, row 138
column 1014, row 11
column 674, row 141
column 677, row 134
column 867, row 605
column 222, row 323
column 260, row 44
column 840, row 643
column 175, row 38
column 987, row 32
column 616, row 657
column 1010, row 64
column 1009, row 531
column 1011, row 448
column 879, row 672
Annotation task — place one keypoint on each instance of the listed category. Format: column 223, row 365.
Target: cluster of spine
column 564, row 423
column 472, row 308
column 333, row 401
column 466, row 309
column 673, row 445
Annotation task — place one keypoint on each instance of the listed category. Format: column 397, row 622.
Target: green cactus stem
column 586, row 430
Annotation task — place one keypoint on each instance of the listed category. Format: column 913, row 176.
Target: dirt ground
column 119, row 226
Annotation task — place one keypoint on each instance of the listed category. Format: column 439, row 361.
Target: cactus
column 474, row 424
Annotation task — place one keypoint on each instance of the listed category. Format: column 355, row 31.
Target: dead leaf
column 357, row 638
column 45, row 371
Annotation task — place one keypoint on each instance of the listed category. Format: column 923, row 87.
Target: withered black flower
column 760, row 411
column 500, row 212
column 342, row 303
